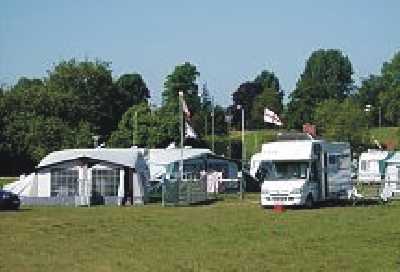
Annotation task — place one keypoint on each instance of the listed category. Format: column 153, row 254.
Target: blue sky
column 229, row 41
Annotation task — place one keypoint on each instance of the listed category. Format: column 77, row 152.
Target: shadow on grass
column 15, row 210
column 335, row 204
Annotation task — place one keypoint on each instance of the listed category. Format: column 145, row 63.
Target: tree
column 88, row 87
column 327, row 75
column 389, row 97
column 270, row 99
column 219, row 121
column 382, row 93
column 133, row 127
column 75, row 101
column 244, row 96
column 270, row 83
column 342, row 121
column 131, row 90
column 205, row 99
column 183, row 78
column 266, row 84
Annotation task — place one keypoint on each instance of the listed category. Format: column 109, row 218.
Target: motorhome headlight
column 297, row 191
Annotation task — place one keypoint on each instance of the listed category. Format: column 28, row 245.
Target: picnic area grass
column 228, row 235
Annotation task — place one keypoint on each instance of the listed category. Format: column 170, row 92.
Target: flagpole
column 212, row 124
column 182, row 131
column 243, row 155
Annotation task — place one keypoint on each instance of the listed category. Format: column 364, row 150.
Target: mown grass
column 387, row 134
column 254, row 139
column 6, row 180
column 228, row 235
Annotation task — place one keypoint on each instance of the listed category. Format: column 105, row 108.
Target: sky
column 230, row 42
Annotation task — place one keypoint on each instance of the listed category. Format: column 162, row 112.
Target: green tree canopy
column 342, row 121
column 389, row 96
column 327, row 75
column 270, row 99
column 382, row 93
column 77, row 100
column 183, row 78
column 264, row 91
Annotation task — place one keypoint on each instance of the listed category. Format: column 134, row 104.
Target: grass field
column 5, row 180
column 254, row 139
column 385, row 134
column 228, row 235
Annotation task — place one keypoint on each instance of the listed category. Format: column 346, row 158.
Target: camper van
column 299, row 170
column 371, row 166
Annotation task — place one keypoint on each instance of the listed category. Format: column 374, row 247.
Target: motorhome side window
column 343, row 162
column 332, row 159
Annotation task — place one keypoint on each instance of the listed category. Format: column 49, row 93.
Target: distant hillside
column 254, row 140
column 387, row 135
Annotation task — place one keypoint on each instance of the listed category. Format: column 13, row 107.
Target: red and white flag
column 271, row 117
column 185, row 108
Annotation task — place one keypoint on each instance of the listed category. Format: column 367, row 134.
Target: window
column 105, row 182
column 363, row 165
column 285, row 170
column 344, row 162
column 64, row 182
column 219, row 166
column 332, row 159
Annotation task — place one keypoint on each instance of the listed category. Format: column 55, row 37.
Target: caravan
column 300, row 170
column 371, row 166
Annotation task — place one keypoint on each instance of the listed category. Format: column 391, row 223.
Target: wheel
column 309, row 204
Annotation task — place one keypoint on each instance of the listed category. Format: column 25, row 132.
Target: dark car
column 9, row 201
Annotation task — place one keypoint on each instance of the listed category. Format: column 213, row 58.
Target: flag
column 185, row 108
column 189, row 131
column 271, row 117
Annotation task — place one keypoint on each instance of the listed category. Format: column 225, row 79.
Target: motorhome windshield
column 283, row 170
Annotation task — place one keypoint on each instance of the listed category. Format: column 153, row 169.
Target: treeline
column 80, row 99
column 326, row 95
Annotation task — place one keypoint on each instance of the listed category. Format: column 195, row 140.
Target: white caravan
column 371, row 166
column 392, row 175
column 300, row 170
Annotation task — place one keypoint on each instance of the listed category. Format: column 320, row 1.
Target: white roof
column 159, row 159
column 167, row 156
column 121, row 156
column 374, row 155
column 287, row 150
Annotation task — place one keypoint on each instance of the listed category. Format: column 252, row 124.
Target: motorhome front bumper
column 281, row 199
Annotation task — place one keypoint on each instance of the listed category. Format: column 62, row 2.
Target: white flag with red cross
column 271, row 117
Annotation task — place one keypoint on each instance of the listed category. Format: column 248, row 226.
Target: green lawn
column 5, row 180
column 228, row 235
column 254, row 139
column 385, row 134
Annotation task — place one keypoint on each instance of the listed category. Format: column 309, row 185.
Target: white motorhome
column 371, row 166
column 299, row 170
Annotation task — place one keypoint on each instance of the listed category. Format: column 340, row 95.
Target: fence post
column 163, row 193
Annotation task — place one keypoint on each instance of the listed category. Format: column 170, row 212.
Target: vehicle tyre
column 309, row 204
